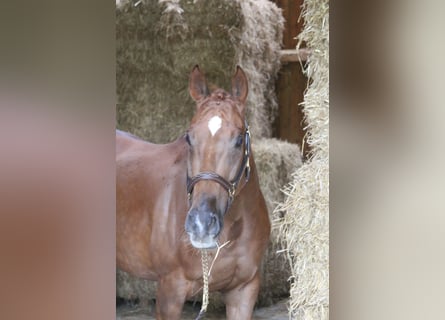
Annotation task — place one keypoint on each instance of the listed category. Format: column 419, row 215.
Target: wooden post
column 291, row 81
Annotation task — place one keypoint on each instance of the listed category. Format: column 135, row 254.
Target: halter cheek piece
column 231, row 186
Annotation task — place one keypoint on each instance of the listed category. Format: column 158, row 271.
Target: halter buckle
column 232, row 191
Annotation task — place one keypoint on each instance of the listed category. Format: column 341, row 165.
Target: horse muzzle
column 203, row 228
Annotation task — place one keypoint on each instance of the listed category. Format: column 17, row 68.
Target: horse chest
column 226, row 271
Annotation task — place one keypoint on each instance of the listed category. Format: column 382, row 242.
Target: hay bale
column 158, row 43
column 275, row 161
column 132, row 288
column 304, row 228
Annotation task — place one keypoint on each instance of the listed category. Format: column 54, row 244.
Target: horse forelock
column 219, row 103
column 218, row 95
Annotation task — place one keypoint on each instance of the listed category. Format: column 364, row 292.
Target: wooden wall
column 291, row 81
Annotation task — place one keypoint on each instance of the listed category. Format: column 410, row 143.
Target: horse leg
column 241, row 300
column 170, row 297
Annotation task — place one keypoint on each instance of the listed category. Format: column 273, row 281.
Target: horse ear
column 239, row 85
column 197, row 84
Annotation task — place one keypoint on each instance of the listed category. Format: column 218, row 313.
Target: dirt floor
column 125, row 312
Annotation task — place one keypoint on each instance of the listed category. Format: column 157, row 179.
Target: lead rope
column 205, row 280
column 205, row 277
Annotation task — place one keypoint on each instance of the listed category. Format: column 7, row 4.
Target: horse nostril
column 214, row 225
column 213, row 221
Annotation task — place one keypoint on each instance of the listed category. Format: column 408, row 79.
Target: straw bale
column 158, row 43
column 275, row 161
column 130, row 287
column 304, row 228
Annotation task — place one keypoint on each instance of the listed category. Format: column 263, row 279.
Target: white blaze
column 214, row 125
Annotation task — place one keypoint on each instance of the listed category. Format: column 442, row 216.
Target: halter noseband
column 231, row 186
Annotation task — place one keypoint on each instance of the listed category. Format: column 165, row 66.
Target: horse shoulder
column 255, row 233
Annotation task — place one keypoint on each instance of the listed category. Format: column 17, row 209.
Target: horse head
column 218, row 157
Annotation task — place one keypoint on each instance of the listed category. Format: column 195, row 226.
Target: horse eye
column 239, row 141
column 187, row 138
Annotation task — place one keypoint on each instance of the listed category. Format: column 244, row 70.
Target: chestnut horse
column 199, row 191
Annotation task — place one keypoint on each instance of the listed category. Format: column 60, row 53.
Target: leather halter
column 229, row 186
